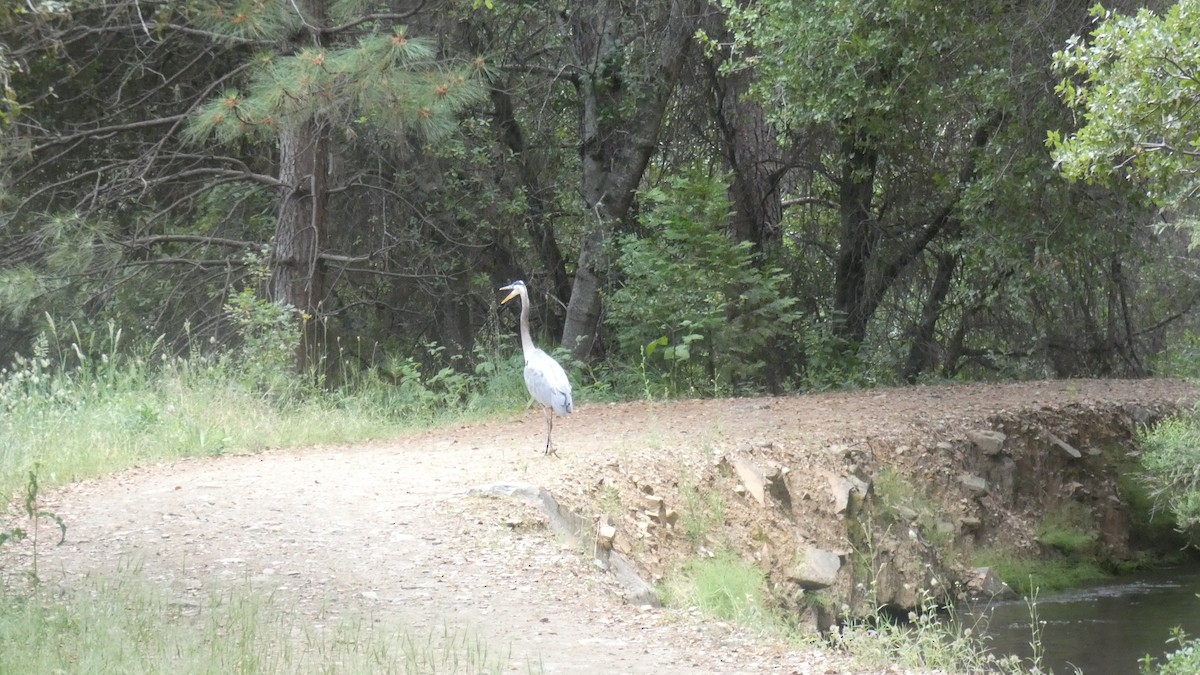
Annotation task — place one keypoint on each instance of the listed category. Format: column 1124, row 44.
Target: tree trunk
column 537, row 224
column 857, row 242
column 751, row 151
column 922, row 348
column 615, row 147
column 296, row 269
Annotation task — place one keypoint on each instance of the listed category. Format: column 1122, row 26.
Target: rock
column 976, row 485
column 656, row 508
column 984, row 582
column 606, row 532
column 841, row 488
column 574, row 528
column 906, row 513
column 970, row 524
column 1066, row 447
column 760, row 481
column 818, row 570
column 989, row 442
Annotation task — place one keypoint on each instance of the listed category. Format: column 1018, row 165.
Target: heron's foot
column 550, row 450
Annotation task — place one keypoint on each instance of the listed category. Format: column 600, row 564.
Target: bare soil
column 387, row 528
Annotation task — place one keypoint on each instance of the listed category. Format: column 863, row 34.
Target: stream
column 1100, row 630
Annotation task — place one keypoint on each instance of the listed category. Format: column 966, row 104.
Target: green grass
column 1067, row 528
column 120, row 625
column 1027, row 574
column 75, row 414
column 702, row 511
column 725, row 587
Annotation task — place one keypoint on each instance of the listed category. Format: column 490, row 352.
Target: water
column 1103, row 629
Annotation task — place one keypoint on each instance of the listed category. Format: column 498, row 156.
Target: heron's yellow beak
column 511, row 295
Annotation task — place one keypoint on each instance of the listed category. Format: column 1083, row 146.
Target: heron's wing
column 547, row 382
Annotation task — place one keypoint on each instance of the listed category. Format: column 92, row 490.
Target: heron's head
column 515, row 288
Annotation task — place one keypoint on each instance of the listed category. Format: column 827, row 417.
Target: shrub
column 695, row 311
column 1171, row 469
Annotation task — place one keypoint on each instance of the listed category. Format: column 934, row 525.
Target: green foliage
column 725, row 587
column 1152, row 529
column 1134, row 82
column 34, row 514
column 114, row 624
column 829, row 363
column 1067, row 528
column 1028, row 575
column 1171, row 464
column 393, row 81
column 1183, row 660
column 269, row 334
column 863, row 65
column 1181, row 358
column 694, row 311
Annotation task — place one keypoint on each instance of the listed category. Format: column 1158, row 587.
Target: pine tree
column 314, row 79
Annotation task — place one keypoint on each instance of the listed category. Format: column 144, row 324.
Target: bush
column 1171, row 470
column 695, row 313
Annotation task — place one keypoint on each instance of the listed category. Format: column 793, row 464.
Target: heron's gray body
column 544, row 378
column 547, row 382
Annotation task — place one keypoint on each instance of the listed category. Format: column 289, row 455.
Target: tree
column 624, row 95
column 269, row 82
column 1135, row 82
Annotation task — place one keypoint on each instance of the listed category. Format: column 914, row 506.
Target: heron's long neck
column 526, row 341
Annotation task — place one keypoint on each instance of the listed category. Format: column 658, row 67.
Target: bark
column 751, row 151
column 863, row 274
column 614, row 148
column 857, row 241
column 302, row 214
column 295, row 263
column 923, row 347
column 538, row 198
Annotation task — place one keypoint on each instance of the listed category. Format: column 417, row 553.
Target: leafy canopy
column 386, row 80
column 1135, row 84
column 693, row 302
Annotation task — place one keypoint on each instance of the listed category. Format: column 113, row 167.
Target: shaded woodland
column 725, row 197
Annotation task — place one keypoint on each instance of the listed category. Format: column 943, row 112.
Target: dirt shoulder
column 388, row 528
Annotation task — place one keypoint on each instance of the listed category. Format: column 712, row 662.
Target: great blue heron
column 545, row 379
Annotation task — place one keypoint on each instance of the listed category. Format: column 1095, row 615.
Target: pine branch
column 401, row 16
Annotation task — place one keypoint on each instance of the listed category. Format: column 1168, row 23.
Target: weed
column 702, row 511
column 903, row 503
column 609, row 502
column 1025, row 574
column 1067, row 528
column 926, row 639
column 1183, row 660
column 724, row 587
column 34, row 514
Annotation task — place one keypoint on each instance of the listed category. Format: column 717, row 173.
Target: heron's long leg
column 549, row 430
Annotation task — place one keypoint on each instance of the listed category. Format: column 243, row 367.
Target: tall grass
column 118, row 624
column 86, row 404
column 725, row 587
